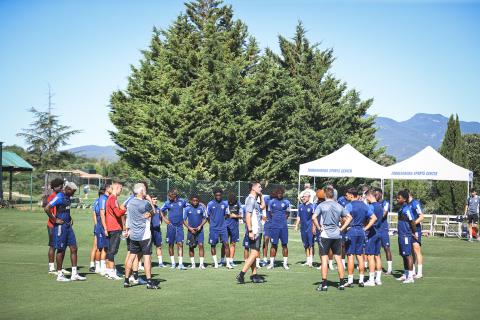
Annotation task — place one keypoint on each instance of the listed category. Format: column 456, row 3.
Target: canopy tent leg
column 391, row 193
column 298, row 189
column 314, row 184
column 31, row 191
column 10, row 186
column 382, row 185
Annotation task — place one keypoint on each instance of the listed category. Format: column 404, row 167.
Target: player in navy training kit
column 234, row 208
column 355, row 238
column 157, row 231
column 406, row 235
column 174, row 220
column 417, row 244
column 304, row 220
column 373, row 240
column 217, row 212
column 280, row 210
column 195, row 217
column 266, row 229
column 63, row 235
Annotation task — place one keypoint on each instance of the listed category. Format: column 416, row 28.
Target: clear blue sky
column 410, row 56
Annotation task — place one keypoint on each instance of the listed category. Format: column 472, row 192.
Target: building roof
column 13, row 162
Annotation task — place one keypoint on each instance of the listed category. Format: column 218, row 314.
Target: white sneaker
column 202, row 267
column 418, row 276
column 305, row 264
column 286, row 267
column 173, row 266
column 402, row 278
column 102, row 272
column 216, row 266
column 193, row 266
column 319, row 268
column 77, row 277
column 114, row 276
column 132, row 280
column 233, row 264
column 181, row 267
column 270, row 266
column 369, row 283
column 52, row 272
column 388, row 273
column 378, row 282
column 65, row 271
column 409, row 280
column 229, row 266
column 61, row 278
column 97, row 270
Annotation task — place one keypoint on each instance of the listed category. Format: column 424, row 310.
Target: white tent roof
column 428, row 164
column 345, row 162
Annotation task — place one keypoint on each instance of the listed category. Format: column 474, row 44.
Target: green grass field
column 449, row 290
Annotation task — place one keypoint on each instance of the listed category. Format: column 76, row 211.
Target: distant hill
column 403, row 139
column 97, row 152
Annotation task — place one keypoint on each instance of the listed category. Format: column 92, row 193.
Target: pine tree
column 452, row 194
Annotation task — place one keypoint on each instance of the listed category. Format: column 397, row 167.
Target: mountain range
column 402, row 139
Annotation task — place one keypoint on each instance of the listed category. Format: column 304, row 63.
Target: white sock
column 201, row 260
column 420, row 269
column 160, row 260
column 361, row 278
column 413, row 269
column 265, row 259
column 371, row 276
column 192, row 261
column 350, row 278
column 272, row 261
column 102, row 264
column 97, row 265
column 215, row 259
column 74, row 270
column 229, row 261
column 92, row 264
column 257, row 262
column 172, row 259
column 180, row 260
column 285, row 261
column 378, row 276
column 365, row 264
column 389, row 266
column 51, row 266
column 410, row 274
column 343, row 262
column 330, row 264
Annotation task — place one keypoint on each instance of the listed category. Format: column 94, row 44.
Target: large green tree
column 472, row 155
column 204, row 103
column 452, row 194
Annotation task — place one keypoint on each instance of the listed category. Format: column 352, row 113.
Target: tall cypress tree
column 452, row 194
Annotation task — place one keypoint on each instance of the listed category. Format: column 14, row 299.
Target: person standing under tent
column 308, row 189
column 472, row 210
column 406, row 234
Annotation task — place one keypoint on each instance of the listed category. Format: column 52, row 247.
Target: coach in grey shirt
column 330, row 213
column 139, row 213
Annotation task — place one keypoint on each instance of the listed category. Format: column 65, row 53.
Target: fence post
column 239, row 192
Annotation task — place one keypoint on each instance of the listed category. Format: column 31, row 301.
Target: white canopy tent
column 345, row 162
column 427, row 164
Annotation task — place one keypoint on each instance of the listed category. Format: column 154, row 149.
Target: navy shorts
column 102, row 241
column 307, row 238
column 194, row 239
column 233, row 233
column 174, row 234
column 354, row 244
column 217, row 236
column 384, row 239
column 246, row 241
column 267, row 229
column 373, row 244
column 50, row 236
column 279, row 234
column 419, row 235
column 157, row 236
column 63, row 236
column 405, row 245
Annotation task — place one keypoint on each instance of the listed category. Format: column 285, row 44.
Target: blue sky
column 410, row 56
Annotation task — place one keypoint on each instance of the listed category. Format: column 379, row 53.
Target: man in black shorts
column 471, row 212
column 331, row 213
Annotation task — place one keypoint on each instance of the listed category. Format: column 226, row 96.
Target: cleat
column 409, row 280
column 263, row 263
column 240, row 279
column 369, row 283
column 402, row 278
column 62, row 278
column 127, row 285
column 181, row 267
column 132, row 280
column 286, row 267
column 361, row 284
column 152, row 286
column 161, row 265
column 388, row 273
column 173, row 266
column 65, row 272
column 216, row 265
column 270, row 266
column 202, row 267
column 418, row 276
column 52, row 272
column 77, row 277
column 378, row 283
column 233, row 264
column 97, row 270
column 321, row 288
column 349, row 285
column 91, row 269
column 193, row 266
column 256, row 279
column 114, row 277
column 319, row 268
column 229, row 266
column 341, row 287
